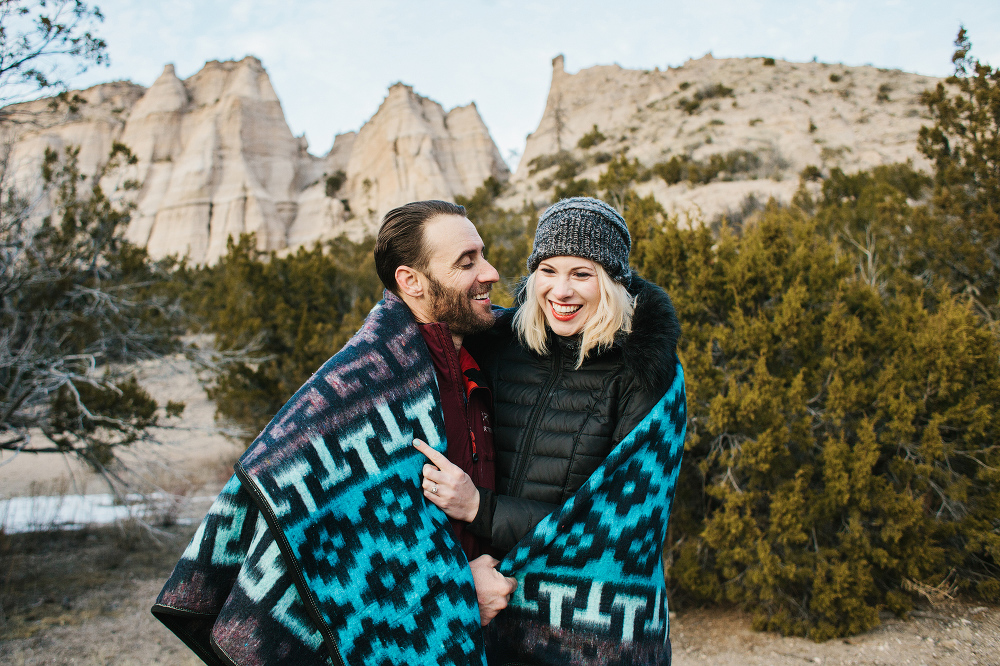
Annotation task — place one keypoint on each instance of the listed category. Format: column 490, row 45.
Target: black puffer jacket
column 555, row 424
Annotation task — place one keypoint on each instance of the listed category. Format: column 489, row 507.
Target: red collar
column 442, row 349
column 471, row 373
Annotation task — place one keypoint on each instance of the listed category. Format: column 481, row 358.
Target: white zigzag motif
column 226, row 538
column 422, row 409
column 655, row 623
column 282, row 613
column 294, row 475
column 257, row 579
column 332, row 472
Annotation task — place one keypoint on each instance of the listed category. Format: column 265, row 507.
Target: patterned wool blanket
column 590, row 578
column 322, row 549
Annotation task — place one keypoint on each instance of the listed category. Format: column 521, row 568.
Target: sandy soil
column 958, row 634
column 84, row 597
column 124, row 634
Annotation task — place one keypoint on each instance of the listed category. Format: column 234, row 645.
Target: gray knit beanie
column 584, row 227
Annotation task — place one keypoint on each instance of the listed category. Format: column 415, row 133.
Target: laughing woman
column 589, row 425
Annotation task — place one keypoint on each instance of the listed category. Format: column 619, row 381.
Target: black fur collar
column 649, row 351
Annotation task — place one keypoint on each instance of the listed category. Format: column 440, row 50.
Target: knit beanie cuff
column 584, row 227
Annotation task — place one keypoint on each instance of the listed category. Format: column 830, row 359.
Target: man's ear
column 409, row 282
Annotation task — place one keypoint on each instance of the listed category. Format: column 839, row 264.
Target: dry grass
column 68, row 578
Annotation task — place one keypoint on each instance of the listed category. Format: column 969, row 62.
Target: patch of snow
column 73, row 512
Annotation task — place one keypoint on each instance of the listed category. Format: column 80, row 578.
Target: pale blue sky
column 332, row 61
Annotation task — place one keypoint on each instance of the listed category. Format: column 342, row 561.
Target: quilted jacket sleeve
column 505, row 520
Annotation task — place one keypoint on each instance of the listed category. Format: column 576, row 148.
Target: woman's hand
column 447, row 486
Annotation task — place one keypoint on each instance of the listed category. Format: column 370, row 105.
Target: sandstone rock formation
column 217, row 159
column 34, row 126
column 411, row 149
column 790, row 114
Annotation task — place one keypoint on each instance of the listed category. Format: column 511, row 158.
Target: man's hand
column 447, row 486
column 493, row 589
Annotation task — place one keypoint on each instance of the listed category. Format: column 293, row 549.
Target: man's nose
column 488, row 275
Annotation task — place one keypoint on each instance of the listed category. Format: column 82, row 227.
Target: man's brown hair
column 400, row 239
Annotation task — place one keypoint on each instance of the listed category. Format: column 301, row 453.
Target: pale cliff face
column 217, row 159
column 793, row 114
column 91, row 128
column 412, row 150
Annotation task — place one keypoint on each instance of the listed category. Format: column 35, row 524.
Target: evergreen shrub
column 964, row 145
column 591, row 139
column 543, row 162
column 841, row 440
column 718, row 166
column 292, row 311
column 79, row 305
column 334, row 182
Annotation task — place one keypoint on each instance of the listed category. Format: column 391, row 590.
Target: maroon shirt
column 468, row 409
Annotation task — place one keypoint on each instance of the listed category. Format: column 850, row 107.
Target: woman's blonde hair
column 613, row 314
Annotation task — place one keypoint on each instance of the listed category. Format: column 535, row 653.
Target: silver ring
column 434, row 489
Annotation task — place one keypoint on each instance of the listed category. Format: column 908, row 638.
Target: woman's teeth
column 564, row 312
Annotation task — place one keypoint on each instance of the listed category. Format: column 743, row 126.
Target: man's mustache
column 480, row 290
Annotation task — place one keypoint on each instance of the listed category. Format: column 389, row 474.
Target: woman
column 583, row 359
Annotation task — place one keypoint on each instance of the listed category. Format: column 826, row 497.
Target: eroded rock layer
column 789, row 115
column 215, row 158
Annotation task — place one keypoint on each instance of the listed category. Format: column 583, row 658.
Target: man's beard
column 453, row 308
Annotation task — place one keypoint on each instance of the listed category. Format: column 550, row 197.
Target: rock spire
column 215, row 159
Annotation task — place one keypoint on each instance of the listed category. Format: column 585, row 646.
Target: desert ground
column 83, row 596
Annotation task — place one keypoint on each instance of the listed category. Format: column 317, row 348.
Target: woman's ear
column 409, row 282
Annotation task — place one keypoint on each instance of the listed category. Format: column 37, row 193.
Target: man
column 431, row 256
column 323, row 547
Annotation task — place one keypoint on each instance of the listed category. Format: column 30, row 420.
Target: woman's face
column 566, row 289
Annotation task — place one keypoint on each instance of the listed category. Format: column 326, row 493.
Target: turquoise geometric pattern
column 322, row 549
column 590, row 576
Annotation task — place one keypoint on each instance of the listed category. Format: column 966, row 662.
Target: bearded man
column 323, row 548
